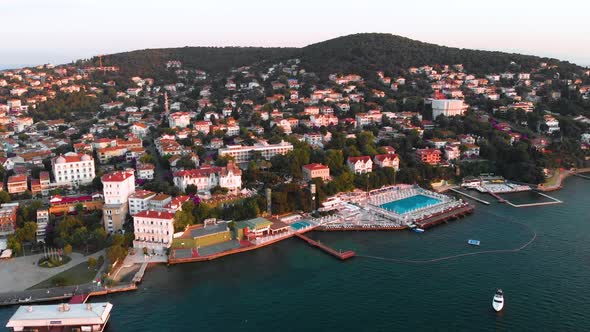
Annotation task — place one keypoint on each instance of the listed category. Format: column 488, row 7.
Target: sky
column 60, row 31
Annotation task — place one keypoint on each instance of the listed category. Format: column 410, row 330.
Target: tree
column 67, row 249
column 92, row 262
column 116, row 253
column 14, row 244
column 27, row 232
column 4, row 197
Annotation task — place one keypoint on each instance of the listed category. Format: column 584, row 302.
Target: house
column 17, row 184
column 139, row 129
column 153, row 230
column 179, row 119
column 387, row 160
column 312, row 171
column 552, row 123
column 452, row 152
column 471, row 151
column 360, row 165
column 429, row 156
column 139, row 201
column 208, row 177
column 145, row 171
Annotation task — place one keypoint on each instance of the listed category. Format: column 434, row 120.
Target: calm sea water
column 293, row 287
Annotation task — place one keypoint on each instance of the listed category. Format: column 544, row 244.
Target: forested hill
column 358, row 53
column 380, row 51
column 210, row 59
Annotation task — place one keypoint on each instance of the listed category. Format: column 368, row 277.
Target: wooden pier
column 469, row 196
column 139, row 275
column 341, row 255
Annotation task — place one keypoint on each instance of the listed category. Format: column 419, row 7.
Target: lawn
column 181, row 243
column 79, row 274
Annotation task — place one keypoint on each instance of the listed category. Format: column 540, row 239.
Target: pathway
column 20, row 273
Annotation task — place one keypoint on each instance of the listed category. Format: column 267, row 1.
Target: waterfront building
column 360, row 165
column 211, row 233
column 312, row 171
column 73, row 169
column 243, row 154
column 153, row 230
column 252, row 228
column 61, row 317
column 117, row 187
column 17, row 184
column 429, row 156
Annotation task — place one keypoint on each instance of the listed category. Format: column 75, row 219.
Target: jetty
column 470, row 196
column 581, row 176
column 500, row 199
column 139, row 275
column 340, row 255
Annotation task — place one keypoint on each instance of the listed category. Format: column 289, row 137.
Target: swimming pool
column 408, row 204
column 300, row 224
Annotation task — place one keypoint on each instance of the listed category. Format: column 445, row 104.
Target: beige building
column 312, row 171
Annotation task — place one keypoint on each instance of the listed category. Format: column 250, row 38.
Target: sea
column 291, row 286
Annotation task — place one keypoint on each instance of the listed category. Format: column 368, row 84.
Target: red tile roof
column 118, row 176
column 155, row 215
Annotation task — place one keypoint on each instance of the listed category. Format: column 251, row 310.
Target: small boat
column 498, row 302
column 418, row 230
column 473, row 242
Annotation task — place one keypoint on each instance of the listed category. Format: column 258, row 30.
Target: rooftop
column 75, row 314
column 208, row 230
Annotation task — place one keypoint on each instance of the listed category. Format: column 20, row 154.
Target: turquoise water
column 292, row 286
column 410, row 203
column 300, row 224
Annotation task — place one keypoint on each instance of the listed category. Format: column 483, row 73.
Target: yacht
column 498, row 302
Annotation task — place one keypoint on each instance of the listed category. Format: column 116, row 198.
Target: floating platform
column 473, row 242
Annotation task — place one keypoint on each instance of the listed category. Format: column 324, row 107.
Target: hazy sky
column 58, row 31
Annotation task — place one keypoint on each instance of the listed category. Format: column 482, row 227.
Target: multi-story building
column 73, row 169
column 159, row 201
column 17, row 184
column 360, row 165
column 323, row 120
column 429, row 156
column 153, row 230
column 42, row 220
column 145, row 171
column 387, row 160
column 139, row 201
column 448, row 107
column 371, row 117
column 242, row 154
column 117, row 187
column 552, row 123
column 207, row 177
column 312, row 171
column 179, row 119
column 8, row 218
column 109, row 152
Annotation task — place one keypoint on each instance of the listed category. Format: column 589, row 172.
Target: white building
column 387, row 160
column 243, row 154
column 73, row 169
column 448, row 107
column 139, row 129
column 207, row 177
column 153, row 230
column 139, row 201
column 42, row 220
column 552, row 123
column 323, row 120
column 372, row 117
column 117, row 187
column 179, row 119
column 360, row 165
column 145, row 171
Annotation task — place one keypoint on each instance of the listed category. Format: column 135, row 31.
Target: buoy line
column 439, row 259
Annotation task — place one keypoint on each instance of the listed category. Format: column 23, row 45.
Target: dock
column 500, row 199
column 340, row 255
column 79, row 299
column 553, row 201
column 469, row 196
column 581, row 176
column 139, row 275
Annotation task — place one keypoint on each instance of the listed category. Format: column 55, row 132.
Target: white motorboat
column 498, row 302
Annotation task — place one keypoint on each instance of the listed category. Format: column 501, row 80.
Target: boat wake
column 445, row 258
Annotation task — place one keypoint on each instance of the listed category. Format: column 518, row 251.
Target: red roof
column 361, row 158
column 382, row 157
column 315, row 166
column 17, row 178
column 155, row 214
column 118, row 176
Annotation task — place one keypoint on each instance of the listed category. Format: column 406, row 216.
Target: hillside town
column 196, row 164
